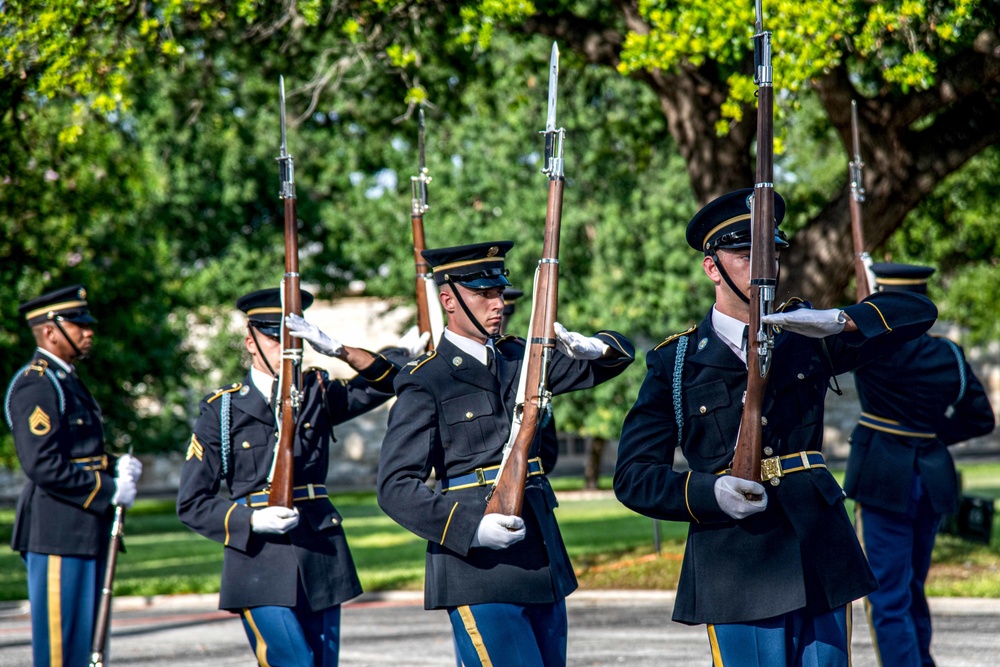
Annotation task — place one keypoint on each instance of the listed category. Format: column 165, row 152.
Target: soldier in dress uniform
column 915, row 402
column 63, row 523
column 770, row 568
column 502, row 579
column 285, row 571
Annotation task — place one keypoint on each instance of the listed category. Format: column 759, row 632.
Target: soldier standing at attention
column 502, row 579
column 285, row 571
column 64, row 514
column 770, row 568
column 915, row 402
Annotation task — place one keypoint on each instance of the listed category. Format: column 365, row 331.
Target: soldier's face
column 486, row 305
column 261, row 347
column 737, row 266
column 80, row 335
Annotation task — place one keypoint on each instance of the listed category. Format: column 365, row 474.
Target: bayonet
column 553, row 165
column 286, row 163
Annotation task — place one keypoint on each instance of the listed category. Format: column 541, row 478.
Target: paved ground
column 606, row 628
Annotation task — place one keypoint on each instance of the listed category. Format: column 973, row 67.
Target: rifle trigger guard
column 770, row 470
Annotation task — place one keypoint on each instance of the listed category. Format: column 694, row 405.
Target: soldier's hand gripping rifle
column 763, row 272
column 862, row 260
column 429, row 317
column 102, row 622
column 533, row 394
column 290, row 377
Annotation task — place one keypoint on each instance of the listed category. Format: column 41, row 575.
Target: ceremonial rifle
column 862, row 260
column 429, row 318
column 763, row 272
column 290, row 377
column 102, row 622
column 533, row 395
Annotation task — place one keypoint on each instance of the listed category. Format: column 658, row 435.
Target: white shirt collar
column 730, row 330
column 263, row 382
column 59, row 362
column 473, row 348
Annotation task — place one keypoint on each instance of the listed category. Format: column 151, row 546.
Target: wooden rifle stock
column 507, row 494
column 102, row 622
column 864, row 288
column 763, row 270
column 290, row 379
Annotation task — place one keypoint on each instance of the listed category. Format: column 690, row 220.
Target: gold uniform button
column 245, row 445
column 79, row 421
column 801, row 376
column 703, row 409
column 307, row 425
column 768, row 451
column 469, row 415
column 763, row 421
column 335, row 521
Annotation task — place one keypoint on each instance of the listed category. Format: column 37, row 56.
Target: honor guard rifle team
column 770, row 568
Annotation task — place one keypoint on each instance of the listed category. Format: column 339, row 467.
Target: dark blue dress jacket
column 801, row 552
column 905, row 398
column 451, row 417
column 267, row 569
column 65, row 508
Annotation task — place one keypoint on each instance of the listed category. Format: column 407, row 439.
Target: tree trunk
column 592, row 466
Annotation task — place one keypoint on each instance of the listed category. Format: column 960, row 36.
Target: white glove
column 414, row 342
column 274, row 520
column 809, row 322
column 124, row 491
column 499, row 531
column 731, row 494
column 129, row 466
column 578, row 346
column 320, row 342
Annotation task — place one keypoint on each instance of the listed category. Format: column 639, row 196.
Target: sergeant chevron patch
column 39, row 422
column 195, row 450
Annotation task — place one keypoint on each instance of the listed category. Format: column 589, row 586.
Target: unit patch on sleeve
column 195, row 450
column 39, row 422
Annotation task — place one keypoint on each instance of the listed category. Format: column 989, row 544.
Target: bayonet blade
column 550, row 121
column 281, row 96
column 420, row 137
column 855, row 135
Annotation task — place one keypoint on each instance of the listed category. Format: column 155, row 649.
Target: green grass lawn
column 611, row 547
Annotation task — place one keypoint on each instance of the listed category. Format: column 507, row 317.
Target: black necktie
column 746, row 336
column 491, row 361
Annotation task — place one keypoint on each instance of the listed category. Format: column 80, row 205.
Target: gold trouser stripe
column 887, row 327
column 448, row 522
column 260, row 651
column 687, row 501
column 55, row 610
column 860, row 529
column 713, row 641
column 231, row 508
column 93, row 494
column 477, row 639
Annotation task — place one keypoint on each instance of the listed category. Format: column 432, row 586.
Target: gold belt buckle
column 770, row 470
column 480, row 477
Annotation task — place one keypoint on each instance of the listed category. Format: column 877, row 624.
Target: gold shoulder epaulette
column 670, row 339
column 236, row 386
column 40, row 367
column 415, row 364
column 791, row 302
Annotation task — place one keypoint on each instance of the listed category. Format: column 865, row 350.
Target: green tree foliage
column 165, row 204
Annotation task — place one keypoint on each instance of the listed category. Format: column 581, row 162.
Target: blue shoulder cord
column 961, row 377
column 20, row 373
column 224, row 434
column 682, row 344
